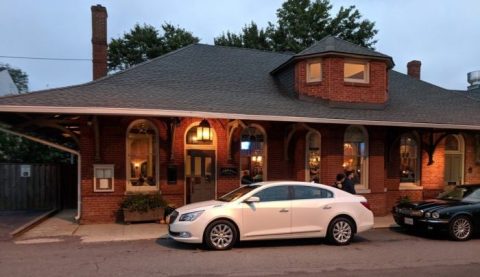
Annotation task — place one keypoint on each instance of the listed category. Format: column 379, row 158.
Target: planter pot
column 150, row 215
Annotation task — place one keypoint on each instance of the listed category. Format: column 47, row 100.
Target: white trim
column 409, row 186
column 103, row 166
column 307, row 152
column 62, row 148
column 461, row 151
column 265, row 152
column 128, row 186
column 186, row 147
column 366, row 80
column 365, row 168
column 182, row 113
column 308, row 77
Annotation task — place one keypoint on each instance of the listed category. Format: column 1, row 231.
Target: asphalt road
column 379, row 252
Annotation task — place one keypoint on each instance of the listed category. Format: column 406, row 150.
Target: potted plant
column 143, row 207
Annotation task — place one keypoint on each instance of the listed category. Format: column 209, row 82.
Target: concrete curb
column 32, row 223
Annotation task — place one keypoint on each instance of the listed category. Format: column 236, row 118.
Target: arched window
column 313, row 157
column 142, row 159
column 355, row 154
column 253, row 155
column 454, row 160
column 409, row 166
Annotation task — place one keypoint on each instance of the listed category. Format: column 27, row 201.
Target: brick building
column 198, row 121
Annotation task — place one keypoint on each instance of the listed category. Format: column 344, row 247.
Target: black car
column 456, row 211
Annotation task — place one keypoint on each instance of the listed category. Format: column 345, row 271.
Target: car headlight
column 190, row 216
column 427, row 214
column 435, row 215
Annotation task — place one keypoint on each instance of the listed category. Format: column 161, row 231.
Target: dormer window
column 314, row 71
column 356, row 72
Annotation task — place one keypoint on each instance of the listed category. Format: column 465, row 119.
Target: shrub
column 141, row 202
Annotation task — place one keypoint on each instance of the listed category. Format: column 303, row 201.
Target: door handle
column 284, row 210
column 327, row 207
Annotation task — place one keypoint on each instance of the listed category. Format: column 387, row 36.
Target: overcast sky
column 444, row 35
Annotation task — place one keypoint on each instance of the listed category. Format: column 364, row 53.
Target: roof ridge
column 102, row 78
column 245, row 48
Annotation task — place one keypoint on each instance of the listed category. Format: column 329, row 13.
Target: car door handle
column 327, row 207
column 284, row 211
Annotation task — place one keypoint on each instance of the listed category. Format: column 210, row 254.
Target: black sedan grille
column 410, row 212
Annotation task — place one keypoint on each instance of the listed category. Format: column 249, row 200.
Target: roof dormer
column 341, row 73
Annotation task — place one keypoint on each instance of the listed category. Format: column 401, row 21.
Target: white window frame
column 103, row 167
column 365, row 80
column 363, row 187
column 265, row 152
column 307, row 154
column 417, row 169
column 309, row 78
column 155, row 150
column 460, row 151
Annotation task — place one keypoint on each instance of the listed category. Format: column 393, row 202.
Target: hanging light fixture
column 204, row 131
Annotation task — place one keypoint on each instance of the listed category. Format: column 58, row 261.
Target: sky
column 443, row 35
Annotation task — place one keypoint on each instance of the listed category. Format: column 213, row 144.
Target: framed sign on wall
column 103, row 178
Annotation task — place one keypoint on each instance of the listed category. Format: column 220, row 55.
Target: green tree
column 19, row 77
column 251, row 37
column 143, row 43
column 302, row 22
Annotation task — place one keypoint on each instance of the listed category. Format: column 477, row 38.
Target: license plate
column 408, row 220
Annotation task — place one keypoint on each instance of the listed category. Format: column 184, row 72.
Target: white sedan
column 272, row 210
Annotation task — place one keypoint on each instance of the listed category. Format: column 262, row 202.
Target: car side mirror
column 252, row 199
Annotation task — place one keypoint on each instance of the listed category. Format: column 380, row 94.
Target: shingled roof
column 226, row 82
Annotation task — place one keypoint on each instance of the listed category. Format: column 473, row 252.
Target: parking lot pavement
column 11, row 220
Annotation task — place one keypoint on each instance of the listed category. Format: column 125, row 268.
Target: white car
column 272, row 210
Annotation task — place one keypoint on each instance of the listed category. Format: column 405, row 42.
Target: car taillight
column 366, row 205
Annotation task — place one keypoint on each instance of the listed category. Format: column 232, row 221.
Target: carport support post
column 62, row 148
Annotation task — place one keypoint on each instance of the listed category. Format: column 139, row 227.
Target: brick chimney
column 414, row 69
column 99, row 41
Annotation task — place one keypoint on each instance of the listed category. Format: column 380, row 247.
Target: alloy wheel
column 221, row 236
column 461, row 228
column 342, row 231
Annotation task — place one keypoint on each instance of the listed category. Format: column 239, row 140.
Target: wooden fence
column 37, row 186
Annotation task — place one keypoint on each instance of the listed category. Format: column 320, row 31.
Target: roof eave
column 203, row 114
column 389, row 60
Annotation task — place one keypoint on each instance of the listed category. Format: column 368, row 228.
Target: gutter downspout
column 62, row 148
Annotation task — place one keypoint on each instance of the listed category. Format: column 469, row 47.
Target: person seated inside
column 246, row 178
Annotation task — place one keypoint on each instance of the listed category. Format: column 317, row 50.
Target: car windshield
column 235, row 194
column 460, row 194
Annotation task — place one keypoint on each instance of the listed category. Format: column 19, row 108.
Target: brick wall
column 104, row 206
column 334, row 88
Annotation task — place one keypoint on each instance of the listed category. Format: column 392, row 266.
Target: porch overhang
column 222, row 115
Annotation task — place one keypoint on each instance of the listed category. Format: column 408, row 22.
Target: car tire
column 461, row 228
column 340, row 231
column 220, row 235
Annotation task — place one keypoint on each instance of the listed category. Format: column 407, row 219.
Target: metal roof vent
column 473, row 79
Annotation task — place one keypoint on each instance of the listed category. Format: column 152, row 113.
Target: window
column 314, row 71
column 306, row 192
column 408, row 159
column 103, row 180
column 278, row 193
column 142, row 171
column 313, row 157
column 355, row 154
column 357, row 72
column 252, row 155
